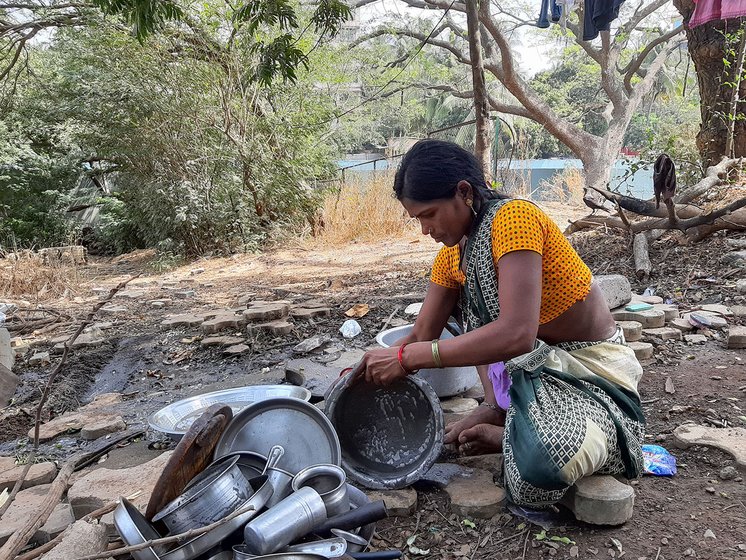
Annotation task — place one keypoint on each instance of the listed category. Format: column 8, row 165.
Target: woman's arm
column 513, row 334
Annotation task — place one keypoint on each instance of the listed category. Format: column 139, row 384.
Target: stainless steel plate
column 203, row 543
column 135, row 529
column 174, row 420
column 302, row 429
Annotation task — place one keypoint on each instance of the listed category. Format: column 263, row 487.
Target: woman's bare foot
column 480, row 415
column 481, row 439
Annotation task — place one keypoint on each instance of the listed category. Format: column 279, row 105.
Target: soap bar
column 638, row 307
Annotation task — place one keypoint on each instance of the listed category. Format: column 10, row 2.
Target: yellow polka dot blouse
column 521, row 226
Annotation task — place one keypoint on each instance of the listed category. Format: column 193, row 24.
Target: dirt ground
column 152, row 367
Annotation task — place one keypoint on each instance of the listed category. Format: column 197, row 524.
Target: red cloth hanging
column 710, row 10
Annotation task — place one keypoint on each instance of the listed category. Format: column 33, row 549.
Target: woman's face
column 446, row 220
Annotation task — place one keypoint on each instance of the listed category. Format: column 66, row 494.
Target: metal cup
column 292, row 518
column 240, row 552
column 330, row 481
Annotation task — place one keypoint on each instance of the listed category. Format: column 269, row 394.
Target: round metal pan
column 174, row 420
column 135, row 529
column 307, row 436
column 203, row 543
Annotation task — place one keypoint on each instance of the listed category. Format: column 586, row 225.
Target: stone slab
column 642, row 350
column 662, row 333
column 492, row 462
column 347, row 359
column 737, row 337
column 311, row 344
column 59, row 520
column 649, row 319
column 652, row 300
column 265, row 311
column 113, row 310
column 600, row 500
column 93, row 413
column 24, row 506
column 476, row 496
column 6, row 352
column 84, row 538
column 183, row 320
column 237, row 350
column 670, row 311
column 104, row 426
column 40, row 473
column 280, row 327
column 717, row 308
column 739, row 311
column 97, row 488
column 314, row 376
column 8, row 383
column 224, row 322
column 130, row 294
column 682, row 324
column 632, row 330
column 441, row 474
column 221, row 341
column 309, row 313
column 458, row 405
column 695, row 338
column 730, row 440
column 399, row 503
column 615, row 289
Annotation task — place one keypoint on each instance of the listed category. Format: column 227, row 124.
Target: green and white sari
column 574, row 410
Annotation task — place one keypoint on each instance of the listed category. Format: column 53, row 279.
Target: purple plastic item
column 500, row 384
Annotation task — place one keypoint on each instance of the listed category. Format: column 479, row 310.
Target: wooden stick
column 100, row 512
column 48, row 388
column 18, row 540
column 192, row 533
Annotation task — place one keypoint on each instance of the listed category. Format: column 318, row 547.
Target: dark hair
column 432, row 169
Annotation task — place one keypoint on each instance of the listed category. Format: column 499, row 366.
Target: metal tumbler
column 292, row 518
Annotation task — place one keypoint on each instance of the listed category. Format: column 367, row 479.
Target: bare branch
column 631, row 69
column 625, row 30
column 460, row 56
column 714, row 176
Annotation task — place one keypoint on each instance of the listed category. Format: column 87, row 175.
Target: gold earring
column 470, row 204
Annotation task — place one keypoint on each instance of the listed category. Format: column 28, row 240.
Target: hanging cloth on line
column 598, row 15
column 710, row 10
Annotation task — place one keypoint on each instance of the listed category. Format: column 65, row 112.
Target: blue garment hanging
column 598, row 15
column 544, row 15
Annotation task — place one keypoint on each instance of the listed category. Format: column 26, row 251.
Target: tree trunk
column 707, row 48
column 481, row 107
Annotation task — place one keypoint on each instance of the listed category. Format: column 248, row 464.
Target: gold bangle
column 436, row 354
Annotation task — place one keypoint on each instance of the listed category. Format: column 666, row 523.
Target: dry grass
column 566, row 187
column 363, row 211
column 24, row 276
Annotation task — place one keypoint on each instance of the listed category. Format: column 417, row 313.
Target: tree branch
column 631, row 69
column 625, row 30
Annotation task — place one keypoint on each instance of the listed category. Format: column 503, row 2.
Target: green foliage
column 200, row 157
column 145, row 16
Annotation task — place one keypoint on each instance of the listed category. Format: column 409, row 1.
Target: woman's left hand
column 381, row 366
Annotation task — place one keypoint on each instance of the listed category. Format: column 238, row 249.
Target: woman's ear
column 465, row 190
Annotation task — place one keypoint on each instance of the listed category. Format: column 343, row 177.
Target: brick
column 632, row 330
column 399, row 503
column 649, row 319
column 476, row 496
column 600, row 500
column 615, row 289
column 662, row 333
column 643, row 350
column 737, row 337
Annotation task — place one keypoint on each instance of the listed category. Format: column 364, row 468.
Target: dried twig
column 168, row 540
column 100, row 512
column 18, row 540
column 48, row 388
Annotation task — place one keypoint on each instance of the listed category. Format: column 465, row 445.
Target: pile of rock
column 660, row 322
column 272, row 317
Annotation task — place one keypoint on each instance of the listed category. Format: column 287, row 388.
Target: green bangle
column 436, row 354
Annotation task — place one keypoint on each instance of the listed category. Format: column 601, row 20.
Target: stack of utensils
column 266, row 482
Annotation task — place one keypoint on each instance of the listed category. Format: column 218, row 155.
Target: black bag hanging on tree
column 664, row 180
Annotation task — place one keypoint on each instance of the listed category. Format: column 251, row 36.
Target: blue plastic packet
column 658, row 461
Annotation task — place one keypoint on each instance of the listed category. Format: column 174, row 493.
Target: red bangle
column 401, row 361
